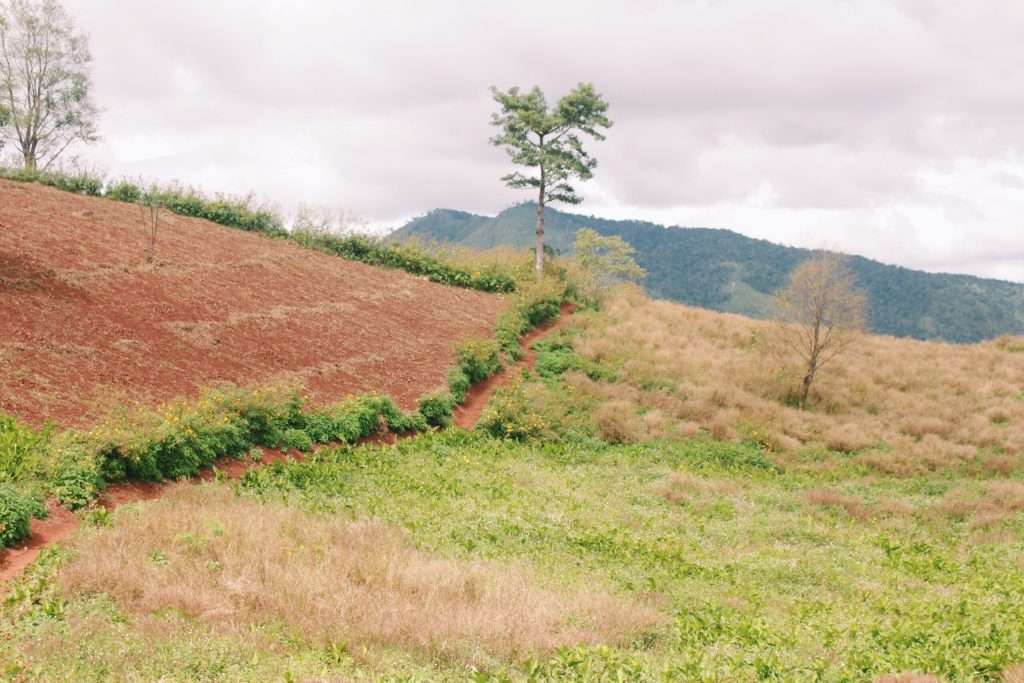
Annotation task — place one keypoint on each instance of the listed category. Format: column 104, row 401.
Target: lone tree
column 549, row 141
column 607, row 259
column 821, row 314
column 45, row 87
column 151, row 204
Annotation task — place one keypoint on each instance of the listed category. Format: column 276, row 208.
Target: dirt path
column 61, row 522
column 468, row 414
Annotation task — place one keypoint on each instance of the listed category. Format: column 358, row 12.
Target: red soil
column 85, row 323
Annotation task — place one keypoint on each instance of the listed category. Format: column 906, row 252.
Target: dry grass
column 683, row 488
column 901, row 406
column 233, row 563
column 908, row 678
column 852, row 505
column 1014, row 674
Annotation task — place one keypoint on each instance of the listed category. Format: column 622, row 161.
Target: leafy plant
column 16, row 512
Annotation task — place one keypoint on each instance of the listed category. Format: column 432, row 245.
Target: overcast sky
column 889, row 129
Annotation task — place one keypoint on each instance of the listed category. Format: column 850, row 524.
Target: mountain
column 725, row 271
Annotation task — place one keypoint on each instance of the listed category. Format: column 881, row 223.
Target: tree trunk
column 538, row 262
column 805, row 389
column 30, row 161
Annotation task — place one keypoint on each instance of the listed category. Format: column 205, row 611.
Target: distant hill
column 725, row 271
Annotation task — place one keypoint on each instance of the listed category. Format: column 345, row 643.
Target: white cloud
column 890, row 129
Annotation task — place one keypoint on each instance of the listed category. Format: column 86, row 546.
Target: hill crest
column 723, row 270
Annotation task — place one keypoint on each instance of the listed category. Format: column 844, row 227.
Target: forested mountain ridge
column 726, row 271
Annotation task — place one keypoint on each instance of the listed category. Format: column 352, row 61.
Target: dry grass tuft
column 908, row 678
column 682, row 488
column 234, row 562
column 853, row 506
column 900, row 406
column 1014, row 674
column 1000, row 500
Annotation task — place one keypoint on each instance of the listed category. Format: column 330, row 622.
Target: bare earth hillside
column 86, row 323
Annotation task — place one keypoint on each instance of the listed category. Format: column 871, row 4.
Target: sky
column 894, row 130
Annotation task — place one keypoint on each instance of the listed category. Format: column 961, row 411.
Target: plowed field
column 86, row 323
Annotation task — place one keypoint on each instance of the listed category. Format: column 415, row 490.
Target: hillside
column 87, row 324
column 725, row 271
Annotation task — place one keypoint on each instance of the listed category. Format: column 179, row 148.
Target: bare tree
column 45, row 85
column 151, row 203
column 820, row 314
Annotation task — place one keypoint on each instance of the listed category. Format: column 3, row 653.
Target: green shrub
column 479, row 359
column 77, row 481
column 436, row 409
column 78, row 181
column 22, row 450
column 297, row 439
column 532, row 306
column 458, row 384
column 16, row 512
column 516, row 412
column 124, row 191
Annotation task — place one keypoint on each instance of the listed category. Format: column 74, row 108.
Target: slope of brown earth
column 85, row 323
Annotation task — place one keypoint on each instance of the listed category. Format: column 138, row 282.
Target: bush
column 436, row 409
column 516, row 411
column 16, row 513
column 479, row 359
column 297, row 439
column 458, row 384
column 22, row 450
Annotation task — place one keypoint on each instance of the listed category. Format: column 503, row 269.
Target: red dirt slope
column 85, row 323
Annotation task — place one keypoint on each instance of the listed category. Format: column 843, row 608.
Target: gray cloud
column 794, row 121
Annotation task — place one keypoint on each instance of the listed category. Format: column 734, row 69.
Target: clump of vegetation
column 606, row 261
column 16, row 512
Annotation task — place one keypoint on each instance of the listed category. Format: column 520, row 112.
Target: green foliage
column 555, row 357
column 534, row 305
column 78, row 181
column 518, row 411
column 436, row 409
column 608, row 259
column 548, row 139
column 458, row 384
column 297, row 439
column 22, row 450
column 408, row 257
column 479, row 359
column 16, row 512
column 726, row 271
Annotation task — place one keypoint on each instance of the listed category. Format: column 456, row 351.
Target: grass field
column 686, row 561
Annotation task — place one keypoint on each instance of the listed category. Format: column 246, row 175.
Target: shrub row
column 182, row 437
column 409, row 258
column 243, row 213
